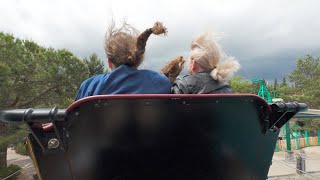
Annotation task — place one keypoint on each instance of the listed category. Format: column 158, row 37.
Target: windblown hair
column 125, row 46
column 206, row 52
column 173, row 68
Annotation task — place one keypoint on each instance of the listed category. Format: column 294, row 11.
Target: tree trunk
column 3, row 147
column 3, row 157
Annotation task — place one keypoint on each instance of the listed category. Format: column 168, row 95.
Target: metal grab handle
column 283, row 112
column 32, row 115
column 289, row 107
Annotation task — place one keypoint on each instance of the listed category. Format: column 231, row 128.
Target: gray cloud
column 267, row 37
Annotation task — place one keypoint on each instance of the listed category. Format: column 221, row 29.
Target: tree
column 275, row 85
column 306, row 78
column 284, row 82
column 34, row 76
column 95, row 65
column 240, row 85
column 9, row 134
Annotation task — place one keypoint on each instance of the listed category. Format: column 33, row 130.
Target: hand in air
column 173, row 68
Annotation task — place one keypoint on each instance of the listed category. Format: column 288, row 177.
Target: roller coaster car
column 155, row 137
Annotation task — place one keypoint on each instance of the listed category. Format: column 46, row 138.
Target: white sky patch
column 251, row 30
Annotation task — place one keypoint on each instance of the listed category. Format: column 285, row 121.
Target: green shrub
column 5, row 172
column 20, row 148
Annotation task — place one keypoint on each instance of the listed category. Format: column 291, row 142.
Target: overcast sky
column 266, row 37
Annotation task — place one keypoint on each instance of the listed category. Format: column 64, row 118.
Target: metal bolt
column 53, row 143
column 275, row 128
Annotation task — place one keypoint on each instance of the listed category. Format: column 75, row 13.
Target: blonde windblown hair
column 125, row 46
column 206, row 52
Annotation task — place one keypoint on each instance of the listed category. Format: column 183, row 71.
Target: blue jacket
column 125, row 80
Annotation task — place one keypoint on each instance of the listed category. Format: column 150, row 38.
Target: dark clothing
column 125, row 80
column 200, row 83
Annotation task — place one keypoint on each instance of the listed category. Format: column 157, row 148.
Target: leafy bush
column 20, row 148
column 5, row 172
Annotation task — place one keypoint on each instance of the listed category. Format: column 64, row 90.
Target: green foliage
column 95, row 65
column 20, row 148
column 11, row 134
column 284, row 82
column 34, row 76
column 241, row 85
column 5, row 172
column 275, row 85
column 311, row 125
column 306, row 78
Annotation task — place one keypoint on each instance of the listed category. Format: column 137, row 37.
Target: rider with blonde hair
column 208, row 75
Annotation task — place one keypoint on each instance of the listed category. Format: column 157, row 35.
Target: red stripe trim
column 163, row 96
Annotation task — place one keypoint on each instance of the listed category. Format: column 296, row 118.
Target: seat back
column 161, row 137
column 169, row 138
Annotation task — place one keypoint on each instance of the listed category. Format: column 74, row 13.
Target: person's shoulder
column 88, row 86
column 182, row 79
column 181, row 86
column 154, row 74
column 157, row 79
column 148, row 71
column 84, row 88
column 189, row 79
column 185, row 77
column 93, row 79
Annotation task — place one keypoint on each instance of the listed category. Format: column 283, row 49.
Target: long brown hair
column 173, row 68
column 125, row 46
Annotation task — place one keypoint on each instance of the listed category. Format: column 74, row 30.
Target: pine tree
column 284, row 82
